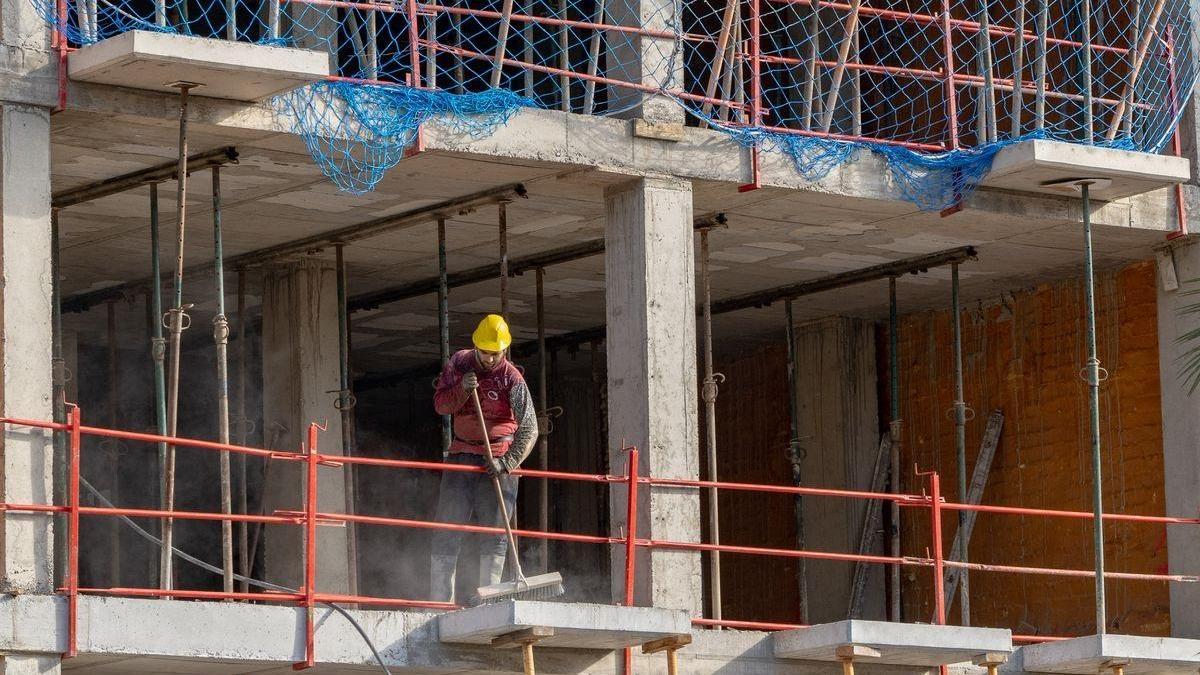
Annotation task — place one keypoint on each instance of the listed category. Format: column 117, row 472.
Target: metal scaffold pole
column 503, row 227
column 221, row 339
column 544, row 423
column 1093, row 371
column 345, row 405
column 177, row 316
column 796, row 456
column 113, row 445
column 58, row 375
column 243, row 434
column 158, row 349
column 443, row 319
column 709, row 395
column 894, row 430
column 960, row 437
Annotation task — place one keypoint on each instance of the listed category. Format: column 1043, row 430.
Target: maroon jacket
column 498, row 388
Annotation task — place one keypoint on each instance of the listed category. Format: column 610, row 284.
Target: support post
column 503, row 227
column 221, row 340
column 709, row 394
column 1093, row 370
column 1039, row 68
column 895, row 610
column 244, row 561
column 177, row 326
column 948, row 65
column 796, row 457
column 112, row 446
column 345, row 405
column 960, row 438
column 310, row 549
column 158, row 353
column 443, row 319
column 544, row 423
column 939, row 562
column 1088, row 130
column 73, row 535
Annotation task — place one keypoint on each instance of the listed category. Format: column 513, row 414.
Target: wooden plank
column 522, row 637
column 872, row 524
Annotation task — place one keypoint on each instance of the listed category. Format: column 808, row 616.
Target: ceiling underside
column 276, row 194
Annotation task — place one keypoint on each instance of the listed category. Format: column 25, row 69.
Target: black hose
column 253, row 582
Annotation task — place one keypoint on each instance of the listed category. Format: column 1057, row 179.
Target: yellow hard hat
column 492, row 334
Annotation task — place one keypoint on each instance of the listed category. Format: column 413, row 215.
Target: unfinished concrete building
column 859, row 332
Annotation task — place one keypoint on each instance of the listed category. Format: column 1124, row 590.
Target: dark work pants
column 470, row 498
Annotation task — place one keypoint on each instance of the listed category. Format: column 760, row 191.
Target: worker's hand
column 507, row 462
column 470, row 382
column 495, row 467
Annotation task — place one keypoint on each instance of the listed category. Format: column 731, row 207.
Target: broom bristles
column 541, row 587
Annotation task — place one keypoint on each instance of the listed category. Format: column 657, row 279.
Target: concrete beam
column 574, row 625
column 907, row 644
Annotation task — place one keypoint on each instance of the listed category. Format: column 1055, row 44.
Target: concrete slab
column 231, row 70
column 1027, row 166
column 576, row 625
column 1089, row 654
column 903, row 644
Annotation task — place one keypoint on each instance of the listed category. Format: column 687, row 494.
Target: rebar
column 543, row 440
column 709, row 395
column 1093, row 382
column 176, row 319
column 345, row 405
column 221, row 340
column 158, row 347
column 960, row 436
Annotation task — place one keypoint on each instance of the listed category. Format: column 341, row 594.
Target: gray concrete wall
column 836, row 392
column 1181, row 435
column 650, row 307
column 300, row 368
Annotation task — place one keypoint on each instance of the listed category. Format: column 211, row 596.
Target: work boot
column 441, row 577
column 491, row 569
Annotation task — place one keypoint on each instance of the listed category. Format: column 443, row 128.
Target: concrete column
column 28, row 555
column 1181, row 433
column 300, row 368
column 45, row 664
column 650, row 61
column 651, row 312
column 839, row 422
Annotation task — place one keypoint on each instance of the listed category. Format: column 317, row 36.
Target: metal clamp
column 185, row 320
column 708, row 392
column 968, row 411
column 158, row 349
column 220, row 329
column 545, row 417
column 1101, row 373
column 346, row 399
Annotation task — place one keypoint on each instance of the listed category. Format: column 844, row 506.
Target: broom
column 540, row 587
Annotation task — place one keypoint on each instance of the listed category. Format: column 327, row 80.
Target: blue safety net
column 818, row 80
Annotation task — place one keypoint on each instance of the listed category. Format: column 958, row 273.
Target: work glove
column 470, row 382
column 495, row 467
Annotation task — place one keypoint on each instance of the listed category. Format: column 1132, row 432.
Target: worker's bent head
column 491, row 338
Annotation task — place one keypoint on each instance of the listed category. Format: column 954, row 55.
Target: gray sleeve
column 527, row 426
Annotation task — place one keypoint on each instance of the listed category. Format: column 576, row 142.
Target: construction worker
column 511, row 422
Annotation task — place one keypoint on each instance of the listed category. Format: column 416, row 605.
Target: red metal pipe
column 191, row 595
column 755, row 95
column 1034, row 639
column 310, row 551
column 785, row 489
column 631, row 520
column 414, row 46
column 439, row 466
column 1081, row 515
column 61, row 46
column 191, row 443
column 948, row 67
column 848, row 137
column 73, row 536
column 461, row 527
column 396, row 602
column 783, row 552
column 153, row 513
column 37, row 424
column 1176, row 145
column 1060, row 572
column 939, row 577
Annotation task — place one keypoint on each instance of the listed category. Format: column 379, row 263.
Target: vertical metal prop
column 851, row 29
column 176, row 318
column 502, row 44
column 796, row 457
column 894, row 430
column 1088, row 126
column 503, row 206
column 987, row 114
column 960, row 436
column 58, row 373
column 230, row 19
column 114, row 446
column 158, row 352
column 443, row 318
column 272, row 18
column 564, row 61
column 372, row 47
column 345, row 405
column 593, row 63
column 951, row 88
column 812, row 89
column 709, row 394
column 160, row 13
column 221, row 340
column 1093, row 381
column 543, row 440
column 243, row 434
column 527, row 37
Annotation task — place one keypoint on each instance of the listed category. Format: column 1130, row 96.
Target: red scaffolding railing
column 309, row 517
